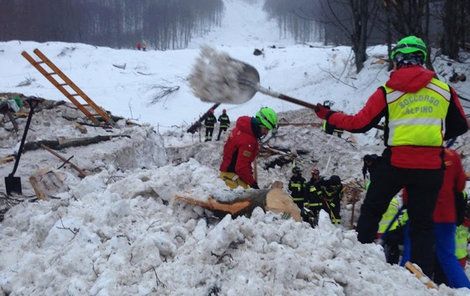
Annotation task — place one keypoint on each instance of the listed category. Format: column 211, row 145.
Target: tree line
column 443, row 24
column 162, row 24
column 170, row 24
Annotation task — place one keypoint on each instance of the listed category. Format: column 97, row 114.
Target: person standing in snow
column 391, row 228
column 449, row 201
column 462, row 235
column 331, row 194
column 420, row 113
column 242, row 147
column 313, row 199
column 297, row 187
column 224, row 123
column 445, row 220
column 209, row 124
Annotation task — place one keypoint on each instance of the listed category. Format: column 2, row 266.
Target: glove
column 322, row 111
column 327, row 128
column 254, row 185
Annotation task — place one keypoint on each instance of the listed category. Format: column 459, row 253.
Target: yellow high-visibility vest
column 418, row 119
column 461, row 241
column 390, row 213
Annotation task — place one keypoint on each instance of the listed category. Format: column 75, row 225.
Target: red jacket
column 240, row 151
column 409, row 79
column 454, row 181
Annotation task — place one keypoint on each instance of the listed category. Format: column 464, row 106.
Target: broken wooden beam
column 7, row 159
column 66, row 143
column 81, row 173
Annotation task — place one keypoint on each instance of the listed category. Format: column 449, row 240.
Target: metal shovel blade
column 13, row 185
column 216, row 77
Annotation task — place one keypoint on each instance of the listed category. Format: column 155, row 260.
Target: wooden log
column 66, row 143
column 275, row 200
column 214, row 205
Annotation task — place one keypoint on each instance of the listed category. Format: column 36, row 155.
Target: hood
column 410, row 79
column 244, row 125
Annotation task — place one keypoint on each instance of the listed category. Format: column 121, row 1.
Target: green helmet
column 408, row 45
column 267, row 117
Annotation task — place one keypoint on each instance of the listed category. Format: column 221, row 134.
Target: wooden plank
column 37, row 188
column 7, row 159
column 420, row 275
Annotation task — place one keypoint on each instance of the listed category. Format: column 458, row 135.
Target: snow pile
column 130, row 147
column 124, row 237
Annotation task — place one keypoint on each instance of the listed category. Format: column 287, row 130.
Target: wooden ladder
column 53, row 73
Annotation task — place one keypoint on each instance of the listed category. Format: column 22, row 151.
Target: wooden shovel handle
column 283, row 97
column 296, row 101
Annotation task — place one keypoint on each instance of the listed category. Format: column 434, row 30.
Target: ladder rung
column 60, row 85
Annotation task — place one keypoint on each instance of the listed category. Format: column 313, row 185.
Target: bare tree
column 454, row 27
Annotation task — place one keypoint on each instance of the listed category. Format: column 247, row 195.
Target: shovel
column 13, row 184
column 216, row 77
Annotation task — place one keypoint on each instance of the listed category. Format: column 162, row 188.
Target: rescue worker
column 393, row 236
column 297, row 187
column 421, row 112
column 209, row 124
column 462, row 235
column 313, row 200
column 448, row 268
column 224, row 123
column 331, row 194
column 242, row 147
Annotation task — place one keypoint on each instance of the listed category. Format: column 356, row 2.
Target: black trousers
column 222, row 129
column 392, row 241
column 423, row 188
column 209, row 131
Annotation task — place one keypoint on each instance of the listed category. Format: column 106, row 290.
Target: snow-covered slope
column 244, row 24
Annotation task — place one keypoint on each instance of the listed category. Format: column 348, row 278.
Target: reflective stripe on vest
column 388, row 216
column 461, row 241
column 418, row 118
column 296, row 185
column 313, row 204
